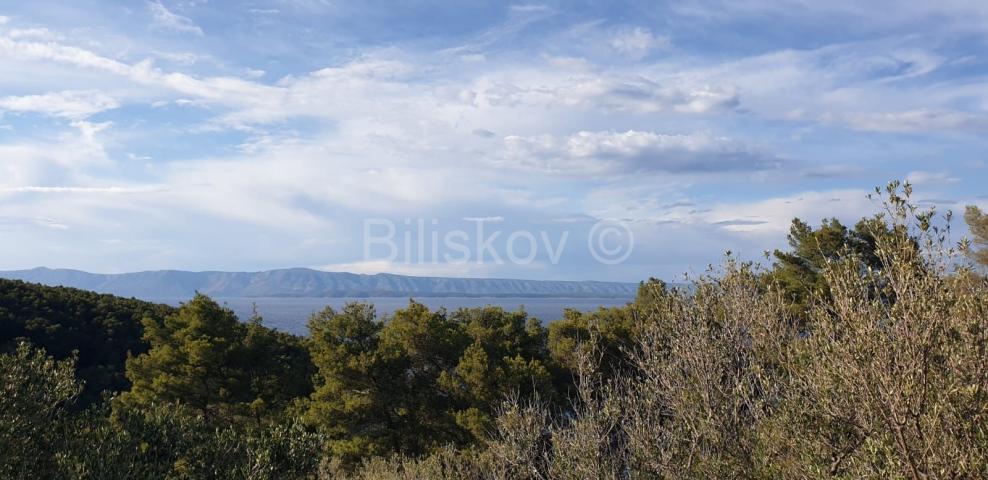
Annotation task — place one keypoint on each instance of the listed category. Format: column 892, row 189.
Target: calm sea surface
column 290, row 314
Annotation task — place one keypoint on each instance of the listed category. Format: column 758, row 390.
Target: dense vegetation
column 100, row 329
column 861, row 352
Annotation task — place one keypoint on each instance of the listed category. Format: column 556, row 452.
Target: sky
column 474, row 139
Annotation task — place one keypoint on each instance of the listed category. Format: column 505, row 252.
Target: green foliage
column 418, row 346
column 41, row 438
column 203, row 358
column 652, row 294
column 165, row 443
column 507, row 355
column 862, row 354
column 609, row 332
column 279, row 369
column 421, row 379
column 349, row 404
column 798, row 273
column 977, row 222
column 34, row 394
column 100, row 329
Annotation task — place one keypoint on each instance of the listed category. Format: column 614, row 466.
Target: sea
column 290, row 314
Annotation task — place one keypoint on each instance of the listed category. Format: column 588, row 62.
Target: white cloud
column 637, row 42
column 16, row 221
column 773, row 216
column 96, row 190
column 426, row 269
column 496, row 219
column 181, row 58
column 51, row 51
column 603, row 92
column 36, row 33
column 920, row 178
column 229, row 91
column 67, row 104
column 529, row 7
column 633, row 151
column 921, row 121
column 955, row 16
column 877, row 85
column 165, row 19
column 466, row 133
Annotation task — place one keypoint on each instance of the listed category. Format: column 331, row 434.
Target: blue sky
column 253, row 135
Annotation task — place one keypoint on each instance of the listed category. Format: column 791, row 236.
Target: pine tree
column 977, row 221
column 507, row 357
column 799, row 271
column 348, row 404
column 194, row 360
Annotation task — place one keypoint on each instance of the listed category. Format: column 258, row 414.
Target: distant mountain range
column 303, row 282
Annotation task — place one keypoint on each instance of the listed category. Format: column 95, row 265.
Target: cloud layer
column 206, row 135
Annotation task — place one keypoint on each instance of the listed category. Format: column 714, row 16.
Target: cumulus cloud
column 635, row 152
column 167, row 20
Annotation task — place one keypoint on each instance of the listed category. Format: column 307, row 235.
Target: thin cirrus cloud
column 107, row 190
column 68, row 104
column 922, row 121
column 167, row 20
column 595, row 90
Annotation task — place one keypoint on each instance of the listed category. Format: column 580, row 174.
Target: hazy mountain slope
column 301, row 282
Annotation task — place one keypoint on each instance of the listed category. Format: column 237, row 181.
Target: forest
column 858, row 352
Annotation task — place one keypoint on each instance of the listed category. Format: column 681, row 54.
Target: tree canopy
column 859, row 354
column 977, row 222
column 204, row 358
column 101, row 329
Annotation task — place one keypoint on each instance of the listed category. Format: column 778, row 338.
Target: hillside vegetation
column 98, row 329
column 860, row 353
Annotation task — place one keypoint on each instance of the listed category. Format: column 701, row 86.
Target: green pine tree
column 977, row 221
column 195, row 360
column 349, row 404
column 799, row 271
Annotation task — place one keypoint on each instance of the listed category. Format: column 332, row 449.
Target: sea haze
column 289, row 314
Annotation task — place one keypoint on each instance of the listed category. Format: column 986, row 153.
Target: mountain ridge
column 305, row 282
